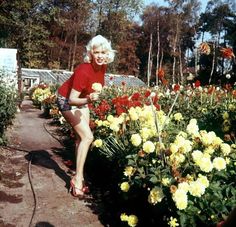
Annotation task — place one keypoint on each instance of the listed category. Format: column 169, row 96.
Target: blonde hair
column 98, row 41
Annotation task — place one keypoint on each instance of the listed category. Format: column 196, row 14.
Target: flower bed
column 169, row 155
column 168, row 163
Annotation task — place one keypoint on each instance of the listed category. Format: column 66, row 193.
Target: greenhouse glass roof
column 59, row 76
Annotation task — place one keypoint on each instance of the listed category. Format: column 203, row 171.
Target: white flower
column 228, row 76
column 97, row 87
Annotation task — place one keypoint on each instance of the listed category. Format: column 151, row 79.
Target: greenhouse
column 31, row 77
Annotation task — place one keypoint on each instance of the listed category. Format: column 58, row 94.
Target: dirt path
column 49, row 203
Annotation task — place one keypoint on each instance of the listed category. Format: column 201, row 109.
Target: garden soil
column 34, row 178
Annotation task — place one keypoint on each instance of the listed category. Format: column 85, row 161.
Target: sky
column 163, row 3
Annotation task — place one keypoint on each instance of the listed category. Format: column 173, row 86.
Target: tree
column 218, row 21
column 173, row 31
column 23, row 26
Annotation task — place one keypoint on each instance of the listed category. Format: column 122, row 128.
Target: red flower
column 176, row 87
column 135, row 96
column 158, row 107
column 160, row 73
column 111, row 78
column 227, row 53
column 147, row 93
column 120, row 110
column 123, row 83
column 92, row 124
column 197, row 83
column 136, row 103
column 155, row 99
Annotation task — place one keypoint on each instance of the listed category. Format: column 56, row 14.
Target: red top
column 82, row 80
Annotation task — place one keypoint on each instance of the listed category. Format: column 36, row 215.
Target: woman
column 73, row 98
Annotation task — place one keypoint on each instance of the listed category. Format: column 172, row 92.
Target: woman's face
column 99, row 55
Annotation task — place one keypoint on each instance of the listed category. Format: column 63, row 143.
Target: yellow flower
column 174, row 148
column 173, row 222
column 203, row 180
column 136, row 140
column 207, row 138
column 129, row 171
column 110, row 118
column 183, row 134
column 197, row 155
column 183, row 144
column 178, row 117
column 217, row 142
column 227, row 160
column 132, row 220
column 205, row 164
column 177, row 158
column 133, row 114
column 192, row 127
column 156, row 195
column 225, row 148
column 204, row 111
column 99, row 123
column 225, row 115
column 114, row 127
column 145, row 133
column 106, row 123
column 97, row 87
column 149, row 147
column 232, row 107
column 219, row 163
column 125, row 186
column 166, row 181
column 180, row 198
column 196, row 188
column 98, row 143
column 121, row 118
column 184, row 186
column 209, row 150
column 124, row 217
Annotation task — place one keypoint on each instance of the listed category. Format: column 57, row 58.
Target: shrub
column 8, row 107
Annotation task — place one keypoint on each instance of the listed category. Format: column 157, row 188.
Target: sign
column 8, row 60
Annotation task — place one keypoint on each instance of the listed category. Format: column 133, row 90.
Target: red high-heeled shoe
column 85, row 188
column 74, row 191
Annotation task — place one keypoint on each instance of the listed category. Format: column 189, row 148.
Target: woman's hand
column 94, row 96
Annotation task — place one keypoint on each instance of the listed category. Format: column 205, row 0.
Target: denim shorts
column 63, row 104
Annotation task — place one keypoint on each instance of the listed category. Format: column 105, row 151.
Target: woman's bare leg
column 79, row 120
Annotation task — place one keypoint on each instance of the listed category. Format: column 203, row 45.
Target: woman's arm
column 75, row 100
